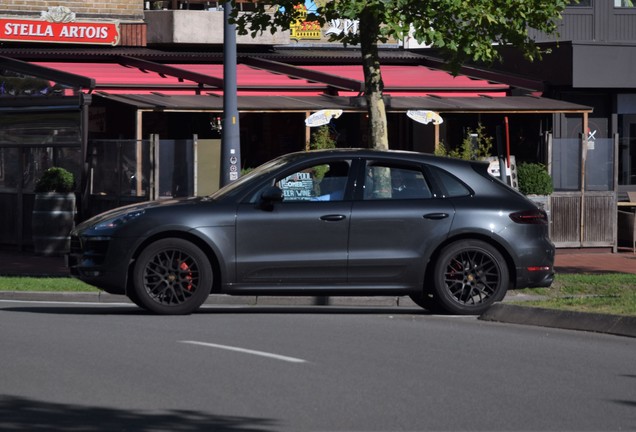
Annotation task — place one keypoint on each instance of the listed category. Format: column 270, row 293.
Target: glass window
column 566, row 154
column 627, row 149
column 599, row 175
column 21, row 167
column 454, row 188
column 122, row 168
column 394, row 182
column 40, row 128
column 323, row 182
column 624, row 3
column 580, row 3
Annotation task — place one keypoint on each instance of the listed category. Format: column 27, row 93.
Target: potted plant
column 536, row 183
column 477, row 145
column 53, row 212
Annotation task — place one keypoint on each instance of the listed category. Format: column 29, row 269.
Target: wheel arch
column 184, row 235
column 512, row 270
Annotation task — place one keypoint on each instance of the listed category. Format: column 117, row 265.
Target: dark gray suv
column 329, row 223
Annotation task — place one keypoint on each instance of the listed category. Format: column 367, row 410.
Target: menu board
column 298, row 187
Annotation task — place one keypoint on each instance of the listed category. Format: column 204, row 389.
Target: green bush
column 321, row 139
column 471, row 148
column 534, row 179
column 55, row 179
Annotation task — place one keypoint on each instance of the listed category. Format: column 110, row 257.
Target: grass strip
column 44, row 284
column 608, row 293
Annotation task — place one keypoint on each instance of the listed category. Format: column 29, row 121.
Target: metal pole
column 231, row 139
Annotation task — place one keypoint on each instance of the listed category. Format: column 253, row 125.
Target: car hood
column 143, row 206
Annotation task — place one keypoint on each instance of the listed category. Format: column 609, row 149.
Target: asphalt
column 511, row 310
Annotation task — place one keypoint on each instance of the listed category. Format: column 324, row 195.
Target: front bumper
column 102, row 262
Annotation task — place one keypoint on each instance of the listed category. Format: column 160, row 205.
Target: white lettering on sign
column 11, row 29
column 75, row 32
column 339, row 26
column 322, row 117
column 298, row 186
column 84, row 32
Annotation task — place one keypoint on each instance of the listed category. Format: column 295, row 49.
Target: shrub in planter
column 536, row 183
column 55, row 179
column 534, row 179
column 53, row 212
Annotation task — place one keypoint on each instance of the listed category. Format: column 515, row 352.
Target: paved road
column 86, row 367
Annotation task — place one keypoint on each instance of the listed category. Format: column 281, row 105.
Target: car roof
column 391, row 154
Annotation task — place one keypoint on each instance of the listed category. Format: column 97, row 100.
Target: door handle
column 436, row 216
column 333, row 218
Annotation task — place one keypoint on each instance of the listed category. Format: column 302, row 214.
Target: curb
column 499, row 312
column 216, row 299
column 568, row 320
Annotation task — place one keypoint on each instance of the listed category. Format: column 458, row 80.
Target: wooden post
column 307, row 133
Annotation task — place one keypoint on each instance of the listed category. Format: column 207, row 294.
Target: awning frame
column 68, row 79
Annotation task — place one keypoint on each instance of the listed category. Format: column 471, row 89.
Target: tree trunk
column 373, row 84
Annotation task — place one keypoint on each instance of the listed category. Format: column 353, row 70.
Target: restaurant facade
column 128, row 97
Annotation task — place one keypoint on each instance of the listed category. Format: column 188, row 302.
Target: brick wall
column 114, row 9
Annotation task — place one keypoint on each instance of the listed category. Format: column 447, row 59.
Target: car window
column 454, row 188
column 323, row 182
column 384, row 181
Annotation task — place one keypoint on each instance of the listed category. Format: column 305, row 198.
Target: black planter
column 53, row 219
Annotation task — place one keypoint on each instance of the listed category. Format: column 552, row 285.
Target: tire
column 468, row 277
column 171, row 277
column 426, row 301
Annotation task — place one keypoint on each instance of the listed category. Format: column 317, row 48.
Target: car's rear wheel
column 171, row 277
column 468, row 277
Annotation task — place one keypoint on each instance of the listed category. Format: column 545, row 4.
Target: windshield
column 267, row 167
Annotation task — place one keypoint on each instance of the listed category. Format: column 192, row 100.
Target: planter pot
column 53, row 219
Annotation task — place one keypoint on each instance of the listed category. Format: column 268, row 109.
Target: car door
column 301, row 241
column 395, row 222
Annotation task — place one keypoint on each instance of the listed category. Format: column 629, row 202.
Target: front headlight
column 118, row 221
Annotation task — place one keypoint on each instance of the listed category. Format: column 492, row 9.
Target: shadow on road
column 21, row 414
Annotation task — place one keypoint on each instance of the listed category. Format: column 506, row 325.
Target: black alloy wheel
column 171, row 277
column 469, row 276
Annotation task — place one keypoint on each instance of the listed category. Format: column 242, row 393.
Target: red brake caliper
column 185, row 267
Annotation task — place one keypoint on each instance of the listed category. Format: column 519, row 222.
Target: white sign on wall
column 425, row 117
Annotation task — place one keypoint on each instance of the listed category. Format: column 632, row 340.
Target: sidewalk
column 582, row 261
column 16, row 263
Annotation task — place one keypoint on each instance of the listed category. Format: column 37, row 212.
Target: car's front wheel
column 171, row 277
column 468, row 277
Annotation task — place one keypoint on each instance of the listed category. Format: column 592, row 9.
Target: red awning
column 403, row 80
column 420, row 81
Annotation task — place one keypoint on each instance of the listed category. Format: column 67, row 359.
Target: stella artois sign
column 58, row 25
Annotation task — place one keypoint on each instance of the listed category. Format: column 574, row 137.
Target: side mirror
column 270, row 196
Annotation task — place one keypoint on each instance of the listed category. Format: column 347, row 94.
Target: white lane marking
column 248, row 351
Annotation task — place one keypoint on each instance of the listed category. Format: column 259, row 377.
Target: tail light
column 531, row 217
